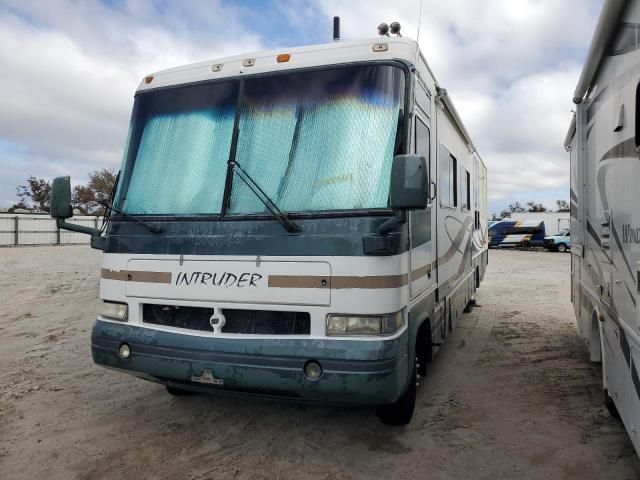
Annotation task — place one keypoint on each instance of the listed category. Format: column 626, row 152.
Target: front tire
column 401, row 411
column 179, row 392
column 562, row 247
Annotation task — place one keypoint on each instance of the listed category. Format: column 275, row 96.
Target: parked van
column 516, row 233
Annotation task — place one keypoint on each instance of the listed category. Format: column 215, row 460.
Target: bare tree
column 536, row 207
column 516, row 207
column 563, row 206
column 21, row 205
column 90, row 198
column 35, row 195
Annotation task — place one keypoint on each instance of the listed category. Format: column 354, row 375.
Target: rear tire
column 469, row 307
column 562, row 247
column 179, row 392
column 610, row 404
column 401, row 411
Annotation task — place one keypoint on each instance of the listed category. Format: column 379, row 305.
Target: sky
column 69, row 69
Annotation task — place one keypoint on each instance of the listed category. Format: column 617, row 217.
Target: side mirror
column 61, row 198
column 61, row 210
column 409, row 189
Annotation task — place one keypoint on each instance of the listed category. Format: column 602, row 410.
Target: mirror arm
column 392, row 223
column 433, row 197
column 94, row 232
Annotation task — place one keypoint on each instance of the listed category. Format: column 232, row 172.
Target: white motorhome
column 603, row 141
column 307, row 223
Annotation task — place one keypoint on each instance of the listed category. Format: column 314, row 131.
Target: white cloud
column 69, row 75
column 69, row 72
column 510, row 68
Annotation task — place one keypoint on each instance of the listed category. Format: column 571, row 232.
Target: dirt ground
column 511, row 395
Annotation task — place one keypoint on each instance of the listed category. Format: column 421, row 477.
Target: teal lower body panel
column 373, row 372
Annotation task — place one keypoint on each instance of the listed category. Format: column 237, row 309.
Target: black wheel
column 179, row 392
column 610, row 404
column 469, row 307
column 562, row 247
column 401, row 411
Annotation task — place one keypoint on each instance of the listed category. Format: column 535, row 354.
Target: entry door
column 423, row 275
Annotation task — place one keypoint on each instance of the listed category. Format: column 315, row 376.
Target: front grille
column 266, row 322
column 259, row 322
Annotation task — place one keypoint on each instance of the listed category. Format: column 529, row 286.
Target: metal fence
column 34, row 229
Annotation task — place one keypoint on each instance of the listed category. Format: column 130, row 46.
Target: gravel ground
column 511, row 395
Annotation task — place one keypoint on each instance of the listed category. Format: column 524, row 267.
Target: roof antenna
column 419, row 23
column 336, row 29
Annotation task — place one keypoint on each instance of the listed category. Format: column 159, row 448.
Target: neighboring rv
column 604, row 140
column 554, row 222
column 306, row 223
column 517, row 233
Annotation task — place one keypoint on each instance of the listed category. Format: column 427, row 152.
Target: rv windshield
column 314, row 140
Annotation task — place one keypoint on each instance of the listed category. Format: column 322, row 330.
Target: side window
column 453, row 180
column 422, row 98
column 466, row 190
column 421, row 219
column 637, row 117
column 423, row 140
column 476, row 192
column 448, row 178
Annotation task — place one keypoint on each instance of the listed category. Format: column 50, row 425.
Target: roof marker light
column 148, row 79
column 249, row 62
column 283, row 57
column 217, row 67
column 380, row 47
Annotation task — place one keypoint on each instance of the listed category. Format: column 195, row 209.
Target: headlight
column 364, row 324
column 115, row 311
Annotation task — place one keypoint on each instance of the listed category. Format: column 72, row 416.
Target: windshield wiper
column 151, row 228
column 289, row 225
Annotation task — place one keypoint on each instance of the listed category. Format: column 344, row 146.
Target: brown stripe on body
column 381, row 281
column 420, row 272
column 298, row 281
column 113, row 274
column 338, row 282
column 136, row 276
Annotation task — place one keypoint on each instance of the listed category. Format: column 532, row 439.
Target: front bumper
column 354, row 371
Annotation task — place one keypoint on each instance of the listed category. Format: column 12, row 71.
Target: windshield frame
column 404, row 132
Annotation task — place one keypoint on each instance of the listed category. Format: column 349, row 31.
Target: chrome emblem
column 217, row 320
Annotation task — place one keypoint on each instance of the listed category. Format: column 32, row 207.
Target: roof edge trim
column 606, row 23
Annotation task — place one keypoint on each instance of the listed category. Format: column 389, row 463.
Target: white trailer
column 308, row 223
column 604, row 141
column 553, row 221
